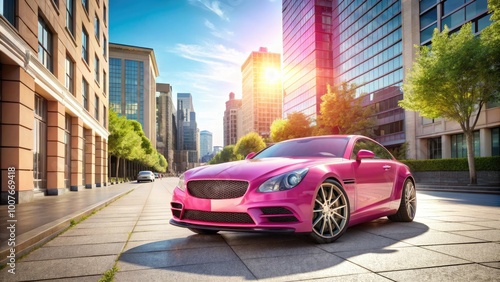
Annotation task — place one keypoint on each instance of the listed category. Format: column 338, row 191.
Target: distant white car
column 145, row 175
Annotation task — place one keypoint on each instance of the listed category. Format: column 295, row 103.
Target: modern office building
column 132, row 85
column 232, row 116
column 440, row 138
column 307, row 55
column 262, row 92
column 205, row 144
column 54, row 96
column 371, row 44
column 187, row 153
column 166, row 123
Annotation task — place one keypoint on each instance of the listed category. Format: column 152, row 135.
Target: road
column 455, row 237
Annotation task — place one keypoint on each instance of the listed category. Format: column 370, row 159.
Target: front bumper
column 284, row 211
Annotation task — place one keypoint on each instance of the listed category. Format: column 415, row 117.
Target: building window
column 495, row 141
column 435, row 148
column 67, row 157
column 104, row 47
column 40, row 144
column 104, row 82
column 70, row 72
column 96, row 68
column 85, row 45
column 104, row 116
column 85, row 4
column 8, row 10
column 96, row 27
column 70, row 10
column 459, row 145
column 44, row 44
column 104, row 13
column 85, row 94
column 96, row 106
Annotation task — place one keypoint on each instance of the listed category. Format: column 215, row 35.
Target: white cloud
column 213, row 6
column 223, row 33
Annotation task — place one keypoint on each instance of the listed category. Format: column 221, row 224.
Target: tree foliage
column 342, row 113
column 251, row 142
column 296, row 125
column 226, row 155
column 127, row 141
column 453, row 80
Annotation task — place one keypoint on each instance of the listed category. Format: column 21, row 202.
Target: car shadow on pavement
column 263, row 255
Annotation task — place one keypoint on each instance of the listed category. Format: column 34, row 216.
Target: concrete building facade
column 132, row 85
column 166, row 122
column 262, row 92
column 54, row 97
column 232, row 117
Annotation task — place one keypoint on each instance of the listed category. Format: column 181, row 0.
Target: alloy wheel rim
column 410, row 199
column 330, row 211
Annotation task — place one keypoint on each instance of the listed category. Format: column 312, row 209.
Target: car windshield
column 145, row 172
column 311, row 147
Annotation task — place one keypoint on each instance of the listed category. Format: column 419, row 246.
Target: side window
column 379, row 151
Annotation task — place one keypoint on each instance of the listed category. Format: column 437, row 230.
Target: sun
column 272, row 75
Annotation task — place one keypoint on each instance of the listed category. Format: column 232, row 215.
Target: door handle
column 387, row 167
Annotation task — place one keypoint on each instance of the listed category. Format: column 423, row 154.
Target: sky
column 199, row 45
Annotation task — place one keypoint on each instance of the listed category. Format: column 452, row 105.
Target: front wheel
column 204, row 231
column 331, row 212
column 408, row 206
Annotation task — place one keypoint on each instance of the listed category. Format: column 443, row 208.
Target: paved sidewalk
column 44, row 218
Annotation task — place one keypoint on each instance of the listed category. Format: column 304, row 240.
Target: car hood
column 254, row 168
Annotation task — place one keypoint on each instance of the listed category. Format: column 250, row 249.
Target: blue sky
column 199, row 45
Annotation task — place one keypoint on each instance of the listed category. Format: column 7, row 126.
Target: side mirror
column 250, row 155
column 364, row 154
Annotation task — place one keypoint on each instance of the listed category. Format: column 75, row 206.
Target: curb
column 32, row 239
column 459, row 189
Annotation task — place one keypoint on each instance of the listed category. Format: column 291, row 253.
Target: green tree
column 296, row 125
column 453, row 80
column 251, row 142
column 342, row 113
column 123, row 141
column 226, row 155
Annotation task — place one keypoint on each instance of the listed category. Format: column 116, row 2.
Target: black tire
column 331, row 212
column 408, row 205
column 204, row 231
column 138, row 181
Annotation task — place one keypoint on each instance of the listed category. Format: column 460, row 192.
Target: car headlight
column 285, row 181
column 181, row 184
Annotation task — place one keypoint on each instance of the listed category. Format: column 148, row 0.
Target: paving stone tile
column 433, row 238
column 399, row 259
column 492, row 235
column 456, row 273
column 132, row 261
column 60, row 252
column 364, row 277
column 454, row 226
column 484, row 252
column 60, row 268
column 88, row 239
column 191, row 242
column 276, row 249
column 208, row 272
column 360, row 240
column 299, row 267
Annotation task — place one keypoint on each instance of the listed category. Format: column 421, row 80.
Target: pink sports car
column 318, row 185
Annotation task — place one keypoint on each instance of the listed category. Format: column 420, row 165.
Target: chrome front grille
column 217, row 189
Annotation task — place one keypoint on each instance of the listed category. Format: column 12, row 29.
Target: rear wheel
column 330, row 212
column 408, row 206
column 204, row 231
